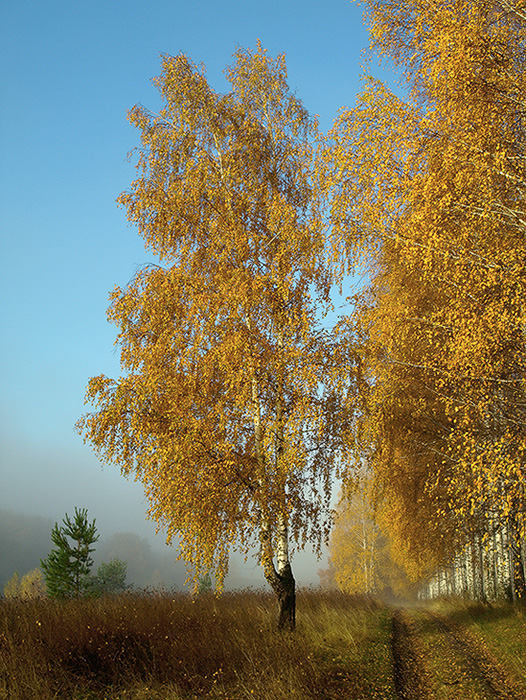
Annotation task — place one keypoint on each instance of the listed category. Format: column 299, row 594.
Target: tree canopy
column 235, row 408
column 429, row 191
column 230, row 409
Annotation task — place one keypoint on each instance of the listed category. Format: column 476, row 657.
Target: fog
column 26, row 539
column 41, row 483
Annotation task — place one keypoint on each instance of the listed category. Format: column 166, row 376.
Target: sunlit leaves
column 429, row 192
column 228, row 406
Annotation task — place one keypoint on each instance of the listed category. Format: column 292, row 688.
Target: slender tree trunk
column 495, row 562
column 517, row 577
column 364, row 554
column 284, row 583
column 480, row 566
column 281, row 580
column 464, row 560
column 510, row 565
column 502, row 561
column 453, row 576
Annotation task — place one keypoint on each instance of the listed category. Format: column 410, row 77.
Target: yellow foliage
column 430, row 193
column 230, row 402
column 31, row 585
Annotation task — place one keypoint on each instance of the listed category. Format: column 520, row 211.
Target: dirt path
column 410, row 673
column 435, row 659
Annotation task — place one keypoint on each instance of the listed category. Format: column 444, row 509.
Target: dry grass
column 158, row 647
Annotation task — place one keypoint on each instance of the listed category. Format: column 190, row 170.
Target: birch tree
column 228, row 410
column 354, row 547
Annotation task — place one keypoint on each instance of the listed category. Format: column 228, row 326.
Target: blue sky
column 69, row 72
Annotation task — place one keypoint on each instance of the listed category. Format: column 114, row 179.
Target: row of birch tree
column 431, row 195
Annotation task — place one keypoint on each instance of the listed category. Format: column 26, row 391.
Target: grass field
column 162, row 647
column 501, row 628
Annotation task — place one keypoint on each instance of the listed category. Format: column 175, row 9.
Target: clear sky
column 69, row 72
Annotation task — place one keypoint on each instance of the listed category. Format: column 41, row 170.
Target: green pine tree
column 67, row 566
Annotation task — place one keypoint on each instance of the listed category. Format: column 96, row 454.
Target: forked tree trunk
column 284, row 586
column 286, row 592
column 281, row 579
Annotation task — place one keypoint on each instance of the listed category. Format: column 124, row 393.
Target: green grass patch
column 448, row 670
column 501, row 628
column 351, row 645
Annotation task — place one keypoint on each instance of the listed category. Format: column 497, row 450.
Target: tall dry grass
column 170, row 647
